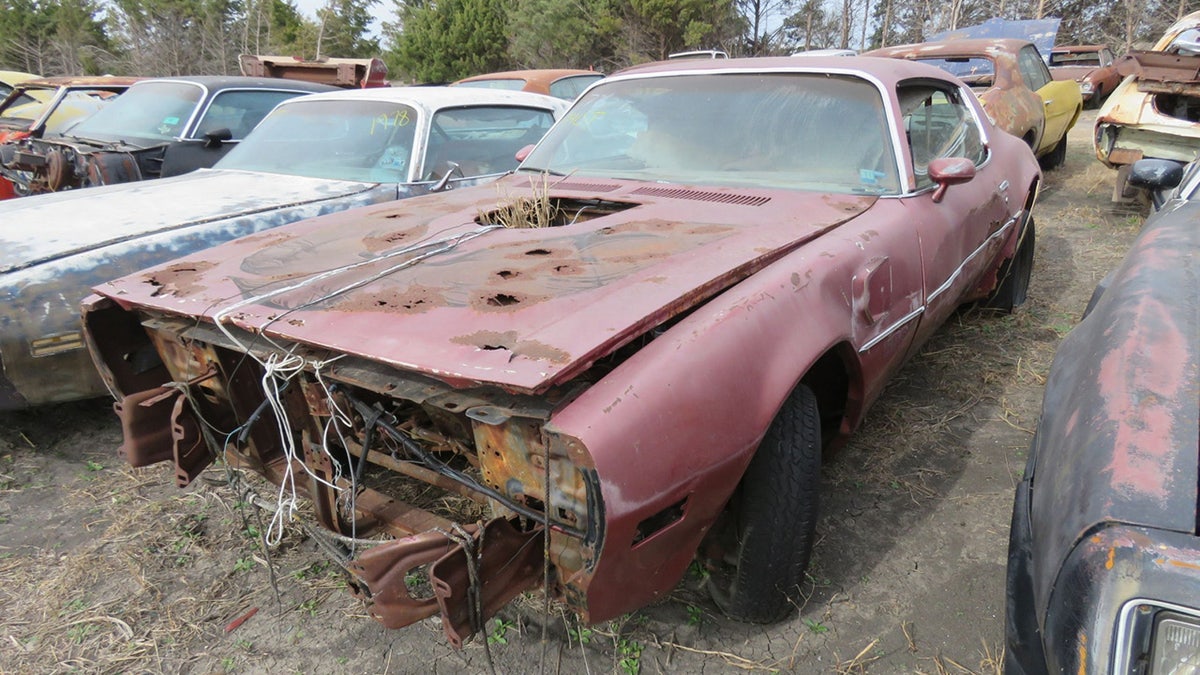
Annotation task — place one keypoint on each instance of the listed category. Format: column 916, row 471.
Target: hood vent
column 702, row 196
column 584, row 187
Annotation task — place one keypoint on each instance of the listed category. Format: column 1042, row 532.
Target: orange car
column 564, row 83
column 1013, row 83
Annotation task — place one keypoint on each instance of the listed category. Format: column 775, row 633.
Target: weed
column 582, row 634
column 698, row 571
column 244, row 644
column 816, row 626
column 695, row 615
column 75, row 605
column 79, row 632
column 499, row 634
column 629, row 653
column 312, row 571
column 94, row 466
column 228, row 663
column 310, row 606
column 243, row 565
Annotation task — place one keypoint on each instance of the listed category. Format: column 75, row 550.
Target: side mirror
column 447, row 169
column 524, row 152
column 947, row 171
column 216, row 137
column 1156, row 174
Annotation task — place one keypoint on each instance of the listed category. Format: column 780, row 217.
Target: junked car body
column 1155, row 111
column 11, row 78
column 1089, row 65
column 45, row 107
column 310, row 156
column 159, row 128
column 631, row 351
column 564, row 83
column 1104, row 556
column 1014, row 85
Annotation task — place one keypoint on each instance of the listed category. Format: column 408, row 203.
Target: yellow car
column 1013, row 83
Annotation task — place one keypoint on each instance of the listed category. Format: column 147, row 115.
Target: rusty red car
column 631, row 353
column 1089, row 65
column 1014, row 85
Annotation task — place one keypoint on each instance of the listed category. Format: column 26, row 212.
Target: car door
column 960, row 233
column 1061, row 99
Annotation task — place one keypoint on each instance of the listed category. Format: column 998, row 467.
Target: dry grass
column 521, row 212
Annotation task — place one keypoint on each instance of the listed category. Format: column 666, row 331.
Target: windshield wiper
column 534, row 169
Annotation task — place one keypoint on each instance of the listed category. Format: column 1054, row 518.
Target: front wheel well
column 829, row 380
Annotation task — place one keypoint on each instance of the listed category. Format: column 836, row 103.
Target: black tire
column 774, row 517
column 1013, row 278
column 1056, row 157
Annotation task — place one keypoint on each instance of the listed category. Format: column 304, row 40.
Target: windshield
column 341, row 140
column 482, row 140
column 975, row 71
column 1075, row 59
column 147, row 114
column 785, row 130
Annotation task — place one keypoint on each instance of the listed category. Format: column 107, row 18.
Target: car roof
column 236, row 82
column 1078, row 48
column 439, row 97
column 887, row 71
column 81, row 81
column 544, row 75
column 963, row 47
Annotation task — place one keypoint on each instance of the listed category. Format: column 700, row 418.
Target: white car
column 311, row 156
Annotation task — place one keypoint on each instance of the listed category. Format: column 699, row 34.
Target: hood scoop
column 702, row 196
column 584, row 187
column 541, row 211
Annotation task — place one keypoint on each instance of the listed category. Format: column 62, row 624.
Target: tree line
column 443, row 40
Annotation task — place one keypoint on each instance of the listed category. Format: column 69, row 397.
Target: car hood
column 1072, row 72
column 423, row 286
column 42, row 228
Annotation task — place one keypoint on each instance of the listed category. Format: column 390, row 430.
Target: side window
column 1033, row 69
column 239, row 111
column 938, row 124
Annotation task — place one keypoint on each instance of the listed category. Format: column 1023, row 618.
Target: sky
column 382, row 11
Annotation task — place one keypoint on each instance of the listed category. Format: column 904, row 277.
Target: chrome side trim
column 958, row 271
column 892, row 329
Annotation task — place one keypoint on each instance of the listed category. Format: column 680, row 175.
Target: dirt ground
column 109, row 569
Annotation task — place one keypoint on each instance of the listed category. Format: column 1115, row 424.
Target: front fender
column 672, row 429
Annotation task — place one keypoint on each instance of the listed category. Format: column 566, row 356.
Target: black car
column 1104, row 555
column 158, row 128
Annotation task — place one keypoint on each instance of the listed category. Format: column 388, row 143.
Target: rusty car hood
column 42, row 228
column 422, row 286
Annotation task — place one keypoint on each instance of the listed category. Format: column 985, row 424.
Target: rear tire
column 1012, row 285
column 1056, row 157
column 774, row 517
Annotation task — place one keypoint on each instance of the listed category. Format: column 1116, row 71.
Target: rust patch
column 414, row 299
column 509, row 340
column 377, row 242
column 179, row 278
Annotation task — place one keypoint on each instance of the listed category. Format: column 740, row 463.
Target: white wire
column 282, row 368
